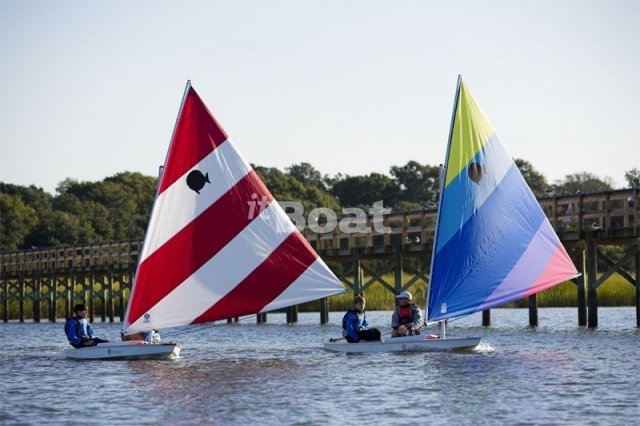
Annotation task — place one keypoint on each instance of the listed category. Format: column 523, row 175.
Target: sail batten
column 494, row 243
column 217, row 245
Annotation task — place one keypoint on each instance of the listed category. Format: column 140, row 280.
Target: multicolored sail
column 218, row 245
column 493, row 242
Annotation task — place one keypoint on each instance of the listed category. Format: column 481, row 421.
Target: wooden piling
column 292, row 314
column 324, row 310
column 486, row 318
column 92, row 291
column 533, row 310
column 110, row 302
column 67, row 297
column 581, row 285
column 398, row 272
column 261, row 317
column 21, row 291
column 53, row 297
column 103, row 299
column 592, row 295
column 132, row 267
column 637, row 264
column 357, row 271
column 5, row 297
column 36, row 288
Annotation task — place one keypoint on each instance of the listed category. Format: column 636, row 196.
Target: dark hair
column 358, row 299
column 79, row 307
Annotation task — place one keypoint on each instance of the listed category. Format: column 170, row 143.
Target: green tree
column 363, row 191
column 306, row 174
column 141, row 190
column 17, row 220
column 285, row 187
column 92, row 218
column 116, row 208
column 418, row 185
column 536, row 180
column 42, row 204
column 582, row 182
column 633, row 178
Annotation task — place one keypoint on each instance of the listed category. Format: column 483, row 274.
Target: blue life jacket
column 360, row 323
column 72, row 329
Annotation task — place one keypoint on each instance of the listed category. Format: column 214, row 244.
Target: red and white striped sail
column 218, row 245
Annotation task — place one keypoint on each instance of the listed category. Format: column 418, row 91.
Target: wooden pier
column 47, row 282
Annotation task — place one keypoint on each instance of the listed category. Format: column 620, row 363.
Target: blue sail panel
column 484, row 250
column 493, row 242
column 464, row 196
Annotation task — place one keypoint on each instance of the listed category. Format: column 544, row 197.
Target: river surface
column 274, row 373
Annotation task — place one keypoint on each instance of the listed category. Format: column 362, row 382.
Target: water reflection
column 279, row 374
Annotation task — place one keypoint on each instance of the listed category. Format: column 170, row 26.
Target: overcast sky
column 92, row 88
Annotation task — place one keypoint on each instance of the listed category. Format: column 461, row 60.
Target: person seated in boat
column 407, row 317
column 79, row 332
column 355, row 327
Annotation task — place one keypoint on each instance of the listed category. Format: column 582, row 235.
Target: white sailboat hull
column 420, row 343
column 136, row 349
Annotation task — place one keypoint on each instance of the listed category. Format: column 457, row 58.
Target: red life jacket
column 405, row 314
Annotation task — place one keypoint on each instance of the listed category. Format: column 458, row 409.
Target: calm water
column 278, row 374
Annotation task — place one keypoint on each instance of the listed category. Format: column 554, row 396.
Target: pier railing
column 613, row 217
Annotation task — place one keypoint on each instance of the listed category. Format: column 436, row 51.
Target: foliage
column 17, row 220
column 302, row 184
column 582, row 182
column 536, row 180
column 418, row 184
column 306, row 174
column 633, row 178
column 363, row 191
column 118, row 207
column 34, row 233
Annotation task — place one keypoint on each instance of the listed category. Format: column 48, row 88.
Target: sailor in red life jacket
column 407, row 318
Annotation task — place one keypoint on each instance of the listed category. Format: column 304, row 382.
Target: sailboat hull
column 420, row 343
column 136, row 349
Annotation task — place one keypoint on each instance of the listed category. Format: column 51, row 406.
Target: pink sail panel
column 217, row 244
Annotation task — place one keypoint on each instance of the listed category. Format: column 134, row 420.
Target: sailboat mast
column 160, row 173
column 443, row 174
column 175, row 127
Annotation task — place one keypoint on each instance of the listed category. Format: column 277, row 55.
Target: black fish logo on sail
column 476, row 172
column 196, row 180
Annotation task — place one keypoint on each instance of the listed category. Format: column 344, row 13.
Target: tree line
column 118, row 207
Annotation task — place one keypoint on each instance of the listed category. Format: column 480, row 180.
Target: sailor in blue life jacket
column 407, row 317
column 355, row 326
column 78, row 330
